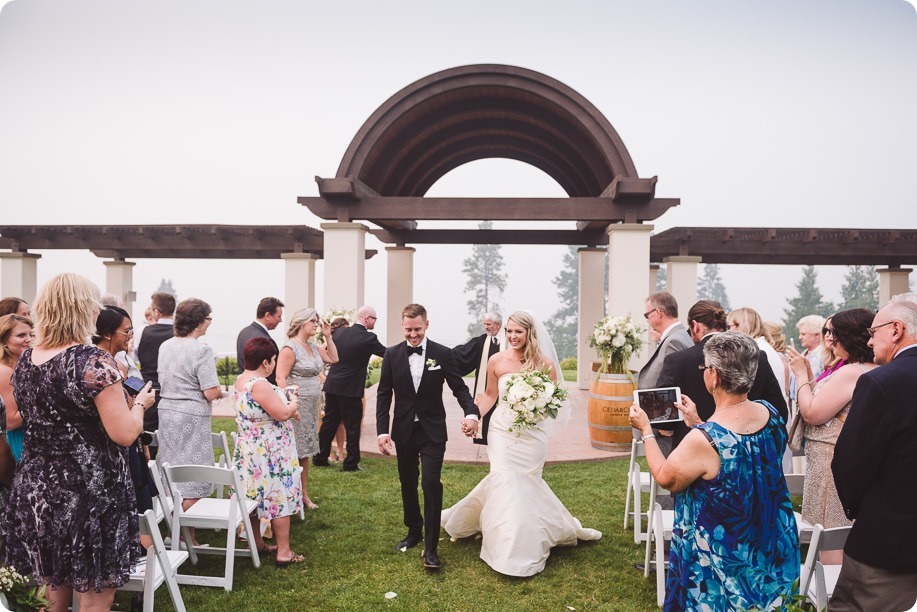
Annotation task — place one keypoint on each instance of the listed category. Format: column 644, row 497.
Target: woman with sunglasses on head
column 823, row 405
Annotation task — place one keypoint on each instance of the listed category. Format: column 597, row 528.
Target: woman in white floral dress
column 265, row 453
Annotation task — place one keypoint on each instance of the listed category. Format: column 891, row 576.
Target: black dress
column 71, row 518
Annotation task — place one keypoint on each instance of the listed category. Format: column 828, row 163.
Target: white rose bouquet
column 331, row 315
column 532, row 397
column 616, row 339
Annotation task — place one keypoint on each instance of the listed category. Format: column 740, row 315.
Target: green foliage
column 373, row 370
column 227, row 370
column 20, row 592
column 860, row 289
column 486, row 280
column 808, row 301
column 568, row 364
column 562, row 325
column 710, row 287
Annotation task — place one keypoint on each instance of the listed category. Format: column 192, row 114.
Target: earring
column 714, row 390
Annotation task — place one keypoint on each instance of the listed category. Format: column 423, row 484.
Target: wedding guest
column 189, row 382
column 874, row 472
column 340, row 435
column 831, row 360
column 162, row 307
column 15, row 305
column 265, row 452
column 268, row 315
column 71, row 522
column 777, row 340
column 15, row 337
column 734, row 522
column 300, row 362
column 824, row 410
column 748, row 321
column 811, row 342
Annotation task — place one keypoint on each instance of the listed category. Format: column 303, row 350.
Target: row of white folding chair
column 159, row 566
column 817, row 581
column 638, row 482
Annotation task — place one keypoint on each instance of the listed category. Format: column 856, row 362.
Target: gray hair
column 906, row 313
column 905, row 297
column 735, row 357
column 494, row 316
column 299, row 318
column 811, row 324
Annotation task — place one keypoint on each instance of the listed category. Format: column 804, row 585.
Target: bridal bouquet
column 616, row 339
column 532, row 397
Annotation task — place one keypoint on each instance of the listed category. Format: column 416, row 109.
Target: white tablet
column 659, row 404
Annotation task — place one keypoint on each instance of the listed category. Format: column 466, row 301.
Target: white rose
column 541, row 400
column 618, row 341
column 549, row 389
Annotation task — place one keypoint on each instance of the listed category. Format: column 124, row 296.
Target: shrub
column 568, row 364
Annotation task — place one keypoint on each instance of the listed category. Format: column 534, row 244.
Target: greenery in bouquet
column 532, row 398
column 616, row 339
column 19, row 592
column 335, row 313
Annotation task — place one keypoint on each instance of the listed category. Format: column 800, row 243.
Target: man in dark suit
column 473, row 356
column 875, row 470
column 680, row 369
column 415, row 371
column 268, row 316
column 162, row 307
column 345, row 386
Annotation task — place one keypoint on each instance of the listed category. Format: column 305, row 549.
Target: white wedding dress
column 516, row 512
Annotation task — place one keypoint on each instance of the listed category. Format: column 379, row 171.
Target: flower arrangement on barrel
column 334, row 313
column 533, row 397
column 616, row 339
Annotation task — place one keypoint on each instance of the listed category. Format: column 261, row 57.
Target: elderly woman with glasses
column 823, row 405
column 300, row 362
column 734, row 542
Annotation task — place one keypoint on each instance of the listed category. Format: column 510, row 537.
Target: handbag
column 796, row 438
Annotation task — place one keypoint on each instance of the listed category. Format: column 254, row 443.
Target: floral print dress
column 265, row 457
column 734, row 544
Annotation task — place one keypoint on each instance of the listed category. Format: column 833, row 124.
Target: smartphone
column 133, row 384
column 659, row 404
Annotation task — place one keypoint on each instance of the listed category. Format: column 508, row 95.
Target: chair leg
column 256, row 559
column 630, row 486
column 659, row 536
column 638, row 507
column 230, row 556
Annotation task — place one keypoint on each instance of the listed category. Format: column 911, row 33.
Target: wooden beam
column 562, row 237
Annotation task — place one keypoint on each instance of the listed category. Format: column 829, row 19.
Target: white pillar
column 893, row 281
column 400, row 289
column 591, row 308
column 345, row 264
column 654, row 272
column 119, row 281
column 298, row 281
column 628, row 261
column 18, row 275
column 681, row 281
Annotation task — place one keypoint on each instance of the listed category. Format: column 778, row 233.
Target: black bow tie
column 415, row 350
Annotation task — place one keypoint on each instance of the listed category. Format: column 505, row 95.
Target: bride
column 516, row 512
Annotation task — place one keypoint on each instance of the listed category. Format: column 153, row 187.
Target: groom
column 415, row 371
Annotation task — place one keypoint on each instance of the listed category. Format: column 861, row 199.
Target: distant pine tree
column 809, row 300
column 860, row 289
column 710, row 286
column 165, row 286
column 563, row 323
column 486, row 281
column 661, row 281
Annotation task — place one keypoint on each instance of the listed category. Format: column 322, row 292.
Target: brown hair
column 414, row 310
column 189, row 314
column 665, row 302
column 256, row 351
column 10, row 305
column 710, row 314
column 267, row 305
column 164, row 303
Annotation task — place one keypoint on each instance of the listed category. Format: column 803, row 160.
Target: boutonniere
column 432, row 365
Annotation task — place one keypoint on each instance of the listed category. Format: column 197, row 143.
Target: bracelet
column 142, row 407
column 647, row 437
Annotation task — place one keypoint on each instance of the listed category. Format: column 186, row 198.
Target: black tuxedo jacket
column 680, row 369
column 468, row 356
column 427, row 402
column 252, row 331
column 148, row 350
column 875, row 466
column 355, row 346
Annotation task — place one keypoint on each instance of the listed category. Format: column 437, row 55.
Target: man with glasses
column 268, row 316
column 875, row 470
column 345, row 386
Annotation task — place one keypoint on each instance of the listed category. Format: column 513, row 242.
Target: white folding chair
column 162, row 503
column 211, row 513
column 638, row 482
column 817, row 581
column 795, row 483
column 221, row 445
column 660, row 532
column 160, row 565
column 654, row 490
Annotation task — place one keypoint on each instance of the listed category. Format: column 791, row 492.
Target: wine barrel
column 609, row 400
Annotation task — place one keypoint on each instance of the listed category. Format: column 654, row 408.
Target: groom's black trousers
column 424, row 458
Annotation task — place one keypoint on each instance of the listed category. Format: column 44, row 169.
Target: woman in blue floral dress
column 265, row 453
column 734, row 544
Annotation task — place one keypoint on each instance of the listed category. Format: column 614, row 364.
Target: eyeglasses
column 705, row 367
column 646, row 315
column 872, row 330
column 373, row 318
column 127, row 332
column 829, row 331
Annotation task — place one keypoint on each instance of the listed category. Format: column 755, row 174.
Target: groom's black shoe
column 410, row 541
column 431, row 560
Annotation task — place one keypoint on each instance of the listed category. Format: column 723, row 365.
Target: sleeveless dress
column 519, row 516
column 305, row 375
column 734, row 543
column 265, row 457
column 71, row 517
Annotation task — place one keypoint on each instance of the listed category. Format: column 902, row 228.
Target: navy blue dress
column 735, row 545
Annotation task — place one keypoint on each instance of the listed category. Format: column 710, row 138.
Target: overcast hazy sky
column 777, row 113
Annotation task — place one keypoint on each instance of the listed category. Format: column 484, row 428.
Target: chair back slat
column 197, row 473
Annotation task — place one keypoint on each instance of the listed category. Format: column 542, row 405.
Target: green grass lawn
column 351, row 562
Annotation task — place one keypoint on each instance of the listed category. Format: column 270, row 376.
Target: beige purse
column 796, row 438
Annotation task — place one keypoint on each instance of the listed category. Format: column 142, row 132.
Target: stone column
column 119, row 281
column 345, row 264
column 400, row 289
column 18, row 275
column 628, row 261
column 654, row 272
column 298, row 282
column 893, row 281
column 591, row 308
column 681, row 282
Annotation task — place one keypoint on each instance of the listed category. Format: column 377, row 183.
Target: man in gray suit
column 662, row 316
column 267, row 317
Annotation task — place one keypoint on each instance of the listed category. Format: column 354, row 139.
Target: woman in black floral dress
column 71, row 521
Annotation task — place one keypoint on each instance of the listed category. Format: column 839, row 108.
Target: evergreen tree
column 562, row 325
column 808, row 301
column 486, row 280
column 661, row 281
column 710, row 286
column 861, row 288
column 165, row 286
